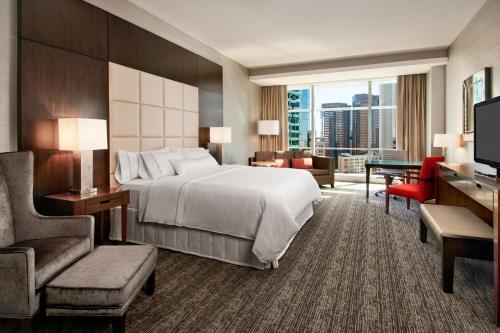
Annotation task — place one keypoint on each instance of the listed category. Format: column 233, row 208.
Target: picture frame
column 476, row 88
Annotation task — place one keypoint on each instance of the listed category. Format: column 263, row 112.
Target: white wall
column 478, row 46
column 8, row 75
column 435, row 115
column 241, row 97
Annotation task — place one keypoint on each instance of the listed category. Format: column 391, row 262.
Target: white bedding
column 259, row 204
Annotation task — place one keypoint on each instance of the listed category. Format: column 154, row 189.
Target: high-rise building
column 336, row 127
column 387, row 116
column 299, row 99
column 298, row 121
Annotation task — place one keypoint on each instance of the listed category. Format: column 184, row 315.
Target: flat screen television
column 487, row 132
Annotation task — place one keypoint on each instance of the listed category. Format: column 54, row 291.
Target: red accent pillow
column 302, row 163
column 280, row 163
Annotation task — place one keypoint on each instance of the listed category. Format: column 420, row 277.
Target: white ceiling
column 259, row 33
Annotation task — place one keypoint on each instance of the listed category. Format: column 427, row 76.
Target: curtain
column 410, row 133
column 275, row 107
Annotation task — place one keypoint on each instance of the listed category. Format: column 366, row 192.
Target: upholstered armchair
column 33, row 248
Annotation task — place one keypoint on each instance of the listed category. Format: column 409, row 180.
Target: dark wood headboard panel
column 64, row 49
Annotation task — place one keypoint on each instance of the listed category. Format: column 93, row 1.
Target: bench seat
column 455, row 222
column 103, row 283
column 461, row 234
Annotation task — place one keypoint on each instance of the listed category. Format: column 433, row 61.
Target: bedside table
column 90, row 204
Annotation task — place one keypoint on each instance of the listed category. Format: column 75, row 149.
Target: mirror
column 476, row 88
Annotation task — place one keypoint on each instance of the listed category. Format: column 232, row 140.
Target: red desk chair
column 422, row 191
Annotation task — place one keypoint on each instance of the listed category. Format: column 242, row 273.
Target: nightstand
column 90, row 204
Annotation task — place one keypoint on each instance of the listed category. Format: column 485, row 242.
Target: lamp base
column 218, row 153
column 83, row 172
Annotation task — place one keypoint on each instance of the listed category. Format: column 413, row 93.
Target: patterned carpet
column 351, row 269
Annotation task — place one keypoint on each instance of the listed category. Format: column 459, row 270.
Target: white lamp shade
column 269, row 127
column 81, row 134
column 220, row 134
column 447, row 140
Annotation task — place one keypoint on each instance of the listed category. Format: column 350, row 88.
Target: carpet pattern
column 350, row 269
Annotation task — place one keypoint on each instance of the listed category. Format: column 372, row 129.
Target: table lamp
column 219, row 135
column 82, row 136
column 446, row 141
column 269, row 127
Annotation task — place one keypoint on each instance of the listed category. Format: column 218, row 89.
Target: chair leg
column 407, row 203
column 119, row 324
column 387, row 202
column 448, row 265
column 59, row 325
column 423, row 232
column 150, row 284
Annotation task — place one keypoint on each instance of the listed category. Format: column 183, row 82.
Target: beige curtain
column 275, row 107
column 410, row 134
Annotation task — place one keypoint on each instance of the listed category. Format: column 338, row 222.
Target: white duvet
column 259, row 204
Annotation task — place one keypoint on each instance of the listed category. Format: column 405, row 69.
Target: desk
column 388, row 164
column 457, row 185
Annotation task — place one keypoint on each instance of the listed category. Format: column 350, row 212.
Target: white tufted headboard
column 148, row 112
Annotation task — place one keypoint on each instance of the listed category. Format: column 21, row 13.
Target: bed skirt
column 230, row 249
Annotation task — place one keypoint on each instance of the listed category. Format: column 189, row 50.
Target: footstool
column 103, row 284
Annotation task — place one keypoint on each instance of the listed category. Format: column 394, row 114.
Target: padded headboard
column 148, row 112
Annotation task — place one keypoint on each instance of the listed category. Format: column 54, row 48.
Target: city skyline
column 346, row 126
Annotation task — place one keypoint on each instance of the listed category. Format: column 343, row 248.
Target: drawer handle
column 105, row 202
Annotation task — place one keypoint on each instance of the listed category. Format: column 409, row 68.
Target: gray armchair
column 33, row 248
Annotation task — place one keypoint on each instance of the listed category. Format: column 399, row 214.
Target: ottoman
column 104, row 283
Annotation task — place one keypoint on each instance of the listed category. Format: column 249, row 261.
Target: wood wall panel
column 69, row 24
column 210, row 76
column 55, row 83
column 132, row 46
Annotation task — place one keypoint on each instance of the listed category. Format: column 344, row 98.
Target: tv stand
column 461, row 185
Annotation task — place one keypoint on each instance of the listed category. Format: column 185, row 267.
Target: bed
column 237, row 214
column 221, row 212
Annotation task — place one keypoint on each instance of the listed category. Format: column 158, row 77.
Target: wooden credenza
column 458, row 185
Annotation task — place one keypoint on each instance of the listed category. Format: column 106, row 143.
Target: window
column 299, row 118
column 351, row 122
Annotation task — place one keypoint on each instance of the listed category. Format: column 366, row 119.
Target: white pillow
column 183, row 167
column 182, row 148
column 158, row 164
column 143, row 173
column 195, row 153
column 127, row 166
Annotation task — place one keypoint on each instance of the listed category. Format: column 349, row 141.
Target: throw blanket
column 260, row 204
